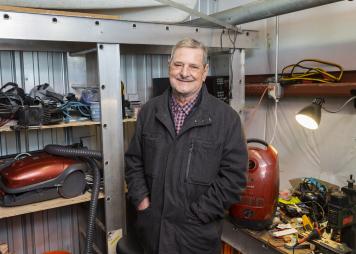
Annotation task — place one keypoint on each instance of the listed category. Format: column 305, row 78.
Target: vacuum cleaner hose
column 88, row 155
column 72, row 152
column 92, row 207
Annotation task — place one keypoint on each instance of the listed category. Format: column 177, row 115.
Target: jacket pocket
column 203, row 162
column 145, row 229
column 152, row 150
column 199, row 238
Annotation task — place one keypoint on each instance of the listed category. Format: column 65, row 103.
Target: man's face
column 187, row 71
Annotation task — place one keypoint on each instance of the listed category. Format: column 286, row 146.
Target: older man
column 187, row 161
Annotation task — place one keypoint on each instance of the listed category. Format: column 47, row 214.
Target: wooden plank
column 7, row 128
column 127, row 120
column 6, row 212
column 312, row 89
column 57, row 12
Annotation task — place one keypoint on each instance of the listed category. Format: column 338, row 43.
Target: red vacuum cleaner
column 258, row 202
column 57, row 171
column 40, row 177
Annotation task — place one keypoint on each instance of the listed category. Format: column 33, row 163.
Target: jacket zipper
column 189, row 159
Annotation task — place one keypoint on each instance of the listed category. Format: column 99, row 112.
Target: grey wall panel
column 35, row 233
column 28, row 70
column 8, row 143
column 148, row 79
column 88, row 135
column 33, row 68
column 137, row 72
column 131, row 76
column 18, row 66
column 6, row 66
column 58, row 72
column 142, row 85
column 43, row 70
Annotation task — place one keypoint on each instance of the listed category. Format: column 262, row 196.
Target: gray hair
column 191, row 43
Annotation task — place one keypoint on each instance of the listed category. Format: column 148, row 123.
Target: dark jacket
column 190, row 178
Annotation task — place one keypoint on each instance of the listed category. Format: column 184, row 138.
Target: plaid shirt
column 179, row 112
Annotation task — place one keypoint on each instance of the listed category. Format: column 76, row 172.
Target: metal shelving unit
column 23, row 29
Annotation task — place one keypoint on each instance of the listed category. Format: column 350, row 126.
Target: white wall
column 324, row 32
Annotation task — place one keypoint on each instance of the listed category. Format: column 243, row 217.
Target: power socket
column 275, row 91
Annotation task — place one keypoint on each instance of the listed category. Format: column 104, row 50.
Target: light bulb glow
column 306, row 121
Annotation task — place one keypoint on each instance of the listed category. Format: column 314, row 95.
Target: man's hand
column 145, row 203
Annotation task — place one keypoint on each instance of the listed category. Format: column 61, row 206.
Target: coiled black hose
column 87, row 155
column 93, row 206
column 72, row 152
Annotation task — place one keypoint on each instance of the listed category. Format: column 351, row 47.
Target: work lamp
column 310, row 116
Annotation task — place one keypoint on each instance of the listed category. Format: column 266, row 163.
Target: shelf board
column 311, row 89
column 6, row 212
column 7, row 128
column 53, row 126
column 126, row 120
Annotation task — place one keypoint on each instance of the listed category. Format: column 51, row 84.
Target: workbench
column 251, row 242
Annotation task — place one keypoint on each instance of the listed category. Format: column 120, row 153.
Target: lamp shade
column 309, row 117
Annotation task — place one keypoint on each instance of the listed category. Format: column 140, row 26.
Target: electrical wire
column 255, row 109
column 221, row 35
column 83, row 109
column 9, row 104
column 321, row 209
column 339, row 109
column 311, row 73
column 276, row 121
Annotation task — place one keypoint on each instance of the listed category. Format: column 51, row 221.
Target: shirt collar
column 186, row 108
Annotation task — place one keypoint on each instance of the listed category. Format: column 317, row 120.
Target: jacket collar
column 200, row 115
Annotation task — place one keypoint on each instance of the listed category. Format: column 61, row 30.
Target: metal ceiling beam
column 260, row 9
column 199, row 14
column 28, row 28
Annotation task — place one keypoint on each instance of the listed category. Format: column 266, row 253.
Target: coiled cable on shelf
column 9, row 104
column 309, row 73
column 82, row 108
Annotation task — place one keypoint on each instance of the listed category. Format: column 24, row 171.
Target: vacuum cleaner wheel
column 73, row 185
